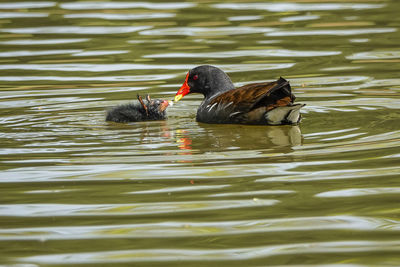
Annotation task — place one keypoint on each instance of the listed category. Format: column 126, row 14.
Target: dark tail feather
column 281, row 90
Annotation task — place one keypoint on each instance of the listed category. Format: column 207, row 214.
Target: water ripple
column 330, row 80
column 253, row 193
column 22, row 5
column 109, row 16
column 284, row 7
column 247, row 53
column 203, row 31
column 355, row 192
column 299, row 18
column 9, row 15
column 123, row 5
column 37, row 53
column 332, row 32
column 375, row 55
column 91, row 67
column 99, row 53
column 169, row 190
column 190, row 228
column 76, row 29
column 45, row 210
column 383, row 103
column 228, row 254
column 94, row 78
column 44, row 41
column 127, row 66
column 244, row 18
column 335, row 175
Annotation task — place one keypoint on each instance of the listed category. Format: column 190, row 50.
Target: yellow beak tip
column 177, row 98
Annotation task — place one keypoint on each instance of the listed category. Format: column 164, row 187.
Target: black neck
column 217, row 83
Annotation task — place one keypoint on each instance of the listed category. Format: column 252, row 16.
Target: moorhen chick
column 268, row 103
column 132, row 112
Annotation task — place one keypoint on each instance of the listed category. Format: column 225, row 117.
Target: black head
column 207, row 80
column 154, row 107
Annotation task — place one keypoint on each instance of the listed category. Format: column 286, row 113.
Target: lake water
column 76, row 190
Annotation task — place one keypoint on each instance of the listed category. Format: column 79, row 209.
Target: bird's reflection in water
column 225, row 137
column 145, row 132
column 183, row 140
column 210, row 137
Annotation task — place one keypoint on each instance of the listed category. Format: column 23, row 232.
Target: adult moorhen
column 153, row 110
column 258, row 103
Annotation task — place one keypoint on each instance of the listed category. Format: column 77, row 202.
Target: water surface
column 76, row 190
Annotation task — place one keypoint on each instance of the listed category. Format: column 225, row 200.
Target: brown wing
column 252, row 96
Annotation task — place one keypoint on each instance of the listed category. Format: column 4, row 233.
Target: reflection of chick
column 154, row 110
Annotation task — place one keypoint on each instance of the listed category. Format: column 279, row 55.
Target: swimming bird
column 268, row 103
column 154, row 109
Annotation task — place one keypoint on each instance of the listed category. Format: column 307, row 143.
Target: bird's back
column 126, row 113
column 251, row 104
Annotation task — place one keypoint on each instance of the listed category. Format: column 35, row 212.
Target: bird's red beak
column 184, row 90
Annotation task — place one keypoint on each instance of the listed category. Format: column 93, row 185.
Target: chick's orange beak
column 163, row 106
column 184, row 90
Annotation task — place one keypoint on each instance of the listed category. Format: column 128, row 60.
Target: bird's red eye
column 195, row 77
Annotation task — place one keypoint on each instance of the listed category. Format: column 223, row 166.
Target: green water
column 76, row 190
